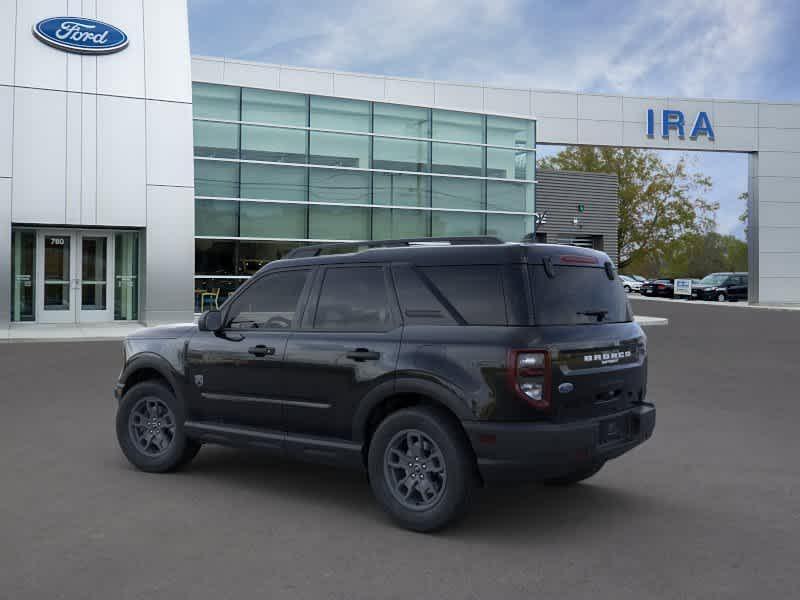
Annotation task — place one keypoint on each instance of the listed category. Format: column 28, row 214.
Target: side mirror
column 211, row 320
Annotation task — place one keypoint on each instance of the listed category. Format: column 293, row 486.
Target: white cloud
column 697, row 49
column 674, row 47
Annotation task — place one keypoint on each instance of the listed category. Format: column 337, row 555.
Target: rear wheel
column 150, row 429
column 576, row 476
column 421, row 469
column 721, row 297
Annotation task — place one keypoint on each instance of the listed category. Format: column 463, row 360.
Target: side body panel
column 228, row 384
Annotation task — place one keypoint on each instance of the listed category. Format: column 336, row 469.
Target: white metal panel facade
column 6, row 129
column 169, row 249
column 121, row 73
column 169, row 124
column 121, row 161
column 39, row 156
column 74, row 131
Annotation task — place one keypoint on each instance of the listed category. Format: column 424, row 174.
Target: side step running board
column 331, row 451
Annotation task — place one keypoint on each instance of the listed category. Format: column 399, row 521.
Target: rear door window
column 577, row 295
column 353, row 299
column 475, row 292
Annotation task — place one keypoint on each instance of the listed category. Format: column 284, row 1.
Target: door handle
column 360, row 354
column 261, row 350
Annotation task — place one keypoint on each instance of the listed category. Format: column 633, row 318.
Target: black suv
column 721, row 287
column 434, row 366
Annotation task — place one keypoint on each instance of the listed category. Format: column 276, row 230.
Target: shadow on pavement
column 504, row 512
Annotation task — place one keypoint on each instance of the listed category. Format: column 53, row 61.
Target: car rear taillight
column 660, row 286
column 529, row 376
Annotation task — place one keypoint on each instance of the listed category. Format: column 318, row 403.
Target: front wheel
column 627, row 289
column 150, row 429
column 576, row 476
column 421, row 469
column 721, row 297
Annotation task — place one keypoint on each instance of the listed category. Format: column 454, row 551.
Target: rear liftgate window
column 578, row 296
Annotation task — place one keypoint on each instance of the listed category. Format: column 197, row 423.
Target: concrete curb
column 651, row 321
column 67, row 333
column 740, row 304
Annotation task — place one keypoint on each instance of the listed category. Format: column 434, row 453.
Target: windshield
column 577, row 295
column 713, row 279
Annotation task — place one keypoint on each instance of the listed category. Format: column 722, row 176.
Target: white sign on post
column 683, row 287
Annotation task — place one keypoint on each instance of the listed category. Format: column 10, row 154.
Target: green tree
column 745, row 216
column 697, row 255
column 658, row 201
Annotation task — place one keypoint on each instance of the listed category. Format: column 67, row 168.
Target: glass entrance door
column 95, row 303
column 73, row 280
column 55, row 281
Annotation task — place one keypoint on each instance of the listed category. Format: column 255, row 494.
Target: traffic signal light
column 581, row 208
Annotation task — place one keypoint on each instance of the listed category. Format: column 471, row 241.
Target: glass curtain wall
column 275, row 170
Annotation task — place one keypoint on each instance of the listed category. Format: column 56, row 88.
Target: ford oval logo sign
column 84, row 36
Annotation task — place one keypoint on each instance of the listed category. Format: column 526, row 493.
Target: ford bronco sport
column 434, row 365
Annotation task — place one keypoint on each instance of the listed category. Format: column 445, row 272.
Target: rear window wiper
column 599, row 313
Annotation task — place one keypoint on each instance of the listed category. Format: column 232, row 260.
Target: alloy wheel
column 414, row 469
column 151, row 425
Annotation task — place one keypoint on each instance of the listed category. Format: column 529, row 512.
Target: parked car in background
column 630, row 284
column 639, row 278
column 721, row 287
column 663, row 288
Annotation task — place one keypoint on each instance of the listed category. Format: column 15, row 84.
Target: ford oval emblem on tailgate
column 566, row 387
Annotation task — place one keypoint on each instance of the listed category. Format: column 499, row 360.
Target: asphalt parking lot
column 709, row 508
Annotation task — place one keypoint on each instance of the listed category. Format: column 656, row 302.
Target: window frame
column 312, row 306
column 302, row 302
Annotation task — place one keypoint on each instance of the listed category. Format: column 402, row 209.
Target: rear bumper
column 535, row 451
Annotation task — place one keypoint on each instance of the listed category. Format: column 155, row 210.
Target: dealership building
column 138, row 183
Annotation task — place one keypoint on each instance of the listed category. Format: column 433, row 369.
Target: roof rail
column 316, row 250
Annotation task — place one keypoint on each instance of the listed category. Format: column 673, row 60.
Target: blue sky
column 709, row 48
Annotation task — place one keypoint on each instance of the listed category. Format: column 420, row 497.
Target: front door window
column 57, row 273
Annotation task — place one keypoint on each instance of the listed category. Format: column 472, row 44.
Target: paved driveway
column 709, row 508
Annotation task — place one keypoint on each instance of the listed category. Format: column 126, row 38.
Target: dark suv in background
column 721, row 287
column 435, row 366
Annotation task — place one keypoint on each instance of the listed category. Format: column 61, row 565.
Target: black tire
column 167, row 447
column 627, row 289
column 451, row 479
column 721, row 297
column 575, row 476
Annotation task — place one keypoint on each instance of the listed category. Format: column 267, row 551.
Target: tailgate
column 596, row 370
